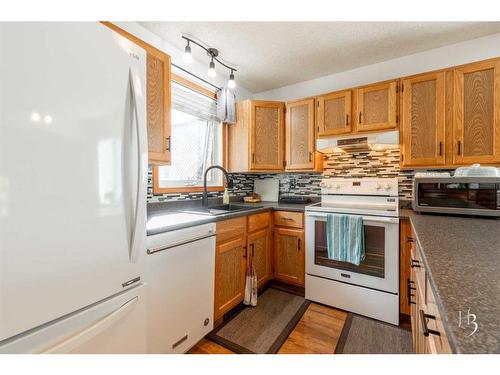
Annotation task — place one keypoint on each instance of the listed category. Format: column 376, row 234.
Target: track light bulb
column 187, row 57
column 231, row 84
column 211, row 69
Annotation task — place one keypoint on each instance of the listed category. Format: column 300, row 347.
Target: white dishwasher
column 179, row 272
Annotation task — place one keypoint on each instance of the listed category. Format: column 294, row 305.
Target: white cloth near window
column 226, row 106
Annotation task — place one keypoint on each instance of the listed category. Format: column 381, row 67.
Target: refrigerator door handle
column 140, row 191
column 93, row 330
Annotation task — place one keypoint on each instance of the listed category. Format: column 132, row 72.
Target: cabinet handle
column 298, row 244
column 245, row 254
column 410, row 239
column 409, row 288
column 459, row 151
column 310, row 156
column 415, row 263
column 423, row 320
column 176, row 344
column 253, row 249
column 253, row 157
column 347, row 119
column 360, row 118
column 440, row 148
column 168, row 144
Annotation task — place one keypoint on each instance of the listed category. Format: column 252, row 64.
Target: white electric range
column 372, row 288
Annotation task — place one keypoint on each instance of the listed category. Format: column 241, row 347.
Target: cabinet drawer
column 437, row 343
column 231, row 228
column 289, row 219
column 259, row 221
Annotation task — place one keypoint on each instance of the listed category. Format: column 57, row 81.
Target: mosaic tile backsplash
column 339, row 164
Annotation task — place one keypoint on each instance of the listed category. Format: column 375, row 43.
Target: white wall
column 454, row 54
column 198, row 68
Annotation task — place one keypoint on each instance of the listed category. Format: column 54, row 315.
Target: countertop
column 461, row 256
column 159, row 221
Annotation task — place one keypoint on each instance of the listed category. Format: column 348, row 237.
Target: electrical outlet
column 292, row 182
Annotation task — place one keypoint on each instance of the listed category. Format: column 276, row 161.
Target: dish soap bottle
column 225, row 197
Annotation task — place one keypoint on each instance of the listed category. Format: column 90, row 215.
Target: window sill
column 184, row 189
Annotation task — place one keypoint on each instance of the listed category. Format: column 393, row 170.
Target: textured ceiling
column 269, row 55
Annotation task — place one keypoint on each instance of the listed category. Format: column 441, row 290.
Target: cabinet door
column 334, row 113
column 477, row 112
column 299, row 128
column 423, row 120
column 289, row 255
column 267, row 135
column 157, row 98
column 405, row 282
column 158, row 107
column 376, row 106
column 259, row 244
column 230, row 269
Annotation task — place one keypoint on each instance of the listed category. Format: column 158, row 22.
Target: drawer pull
column 409, row 288
column 415, row 263
column 410, row 239
column 423, row 320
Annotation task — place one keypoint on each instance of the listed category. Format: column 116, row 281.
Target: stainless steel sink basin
column 220, row 209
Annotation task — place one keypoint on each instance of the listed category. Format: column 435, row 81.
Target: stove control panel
column 360, row 186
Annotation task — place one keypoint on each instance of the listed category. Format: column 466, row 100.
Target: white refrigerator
column 73, row 175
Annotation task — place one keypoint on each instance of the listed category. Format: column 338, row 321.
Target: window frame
column 192, row 189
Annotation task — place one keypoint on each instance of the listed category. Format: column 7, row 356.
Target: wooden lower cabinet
column 259, row 245
column 289, row 255
column 428, row 334
column 405, row 242
column 230, row 271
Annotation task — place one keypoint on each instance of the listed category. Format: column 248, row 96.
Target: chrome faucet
column 229, row 183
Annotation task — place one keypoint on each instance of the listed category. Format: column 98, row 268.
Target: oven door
column 380, row 268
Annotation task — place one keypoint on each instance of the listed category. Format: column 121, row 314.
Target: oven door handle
column 375, row 219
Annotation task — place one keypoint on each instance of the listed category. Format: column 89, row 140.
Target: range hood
column 360, row 142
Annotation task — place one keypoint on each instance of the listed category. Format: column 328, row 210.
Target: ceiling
column 269, row 55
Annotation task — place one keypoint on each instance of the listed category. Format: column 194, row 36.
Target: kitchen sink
column 220, row 209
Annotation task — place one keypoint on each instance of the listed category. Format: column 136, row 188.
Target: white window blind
column 189, row 101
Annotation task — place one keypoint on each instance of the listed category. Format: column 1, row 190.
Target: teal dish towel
column 345, row 238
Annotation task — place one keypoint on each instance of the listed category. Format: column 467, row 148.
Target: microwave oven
column 474, row 196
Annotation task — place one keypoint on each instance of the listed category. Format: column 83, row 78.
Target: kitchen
column 286, row 201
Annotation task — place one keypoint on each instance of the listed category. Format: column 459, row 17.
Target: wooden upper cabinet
column 376, row 106
column 257, row 140
column 334, row 113
column 158, row 99
column 158, row 107
column 423, row 120
column 477, row 113
column 267, row 135
column 299, row 130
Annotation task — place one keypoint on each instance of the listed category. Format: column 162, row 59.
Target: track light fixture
column 187, row 57
column 211, row 68
column 212, row 53
column 231, row 84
